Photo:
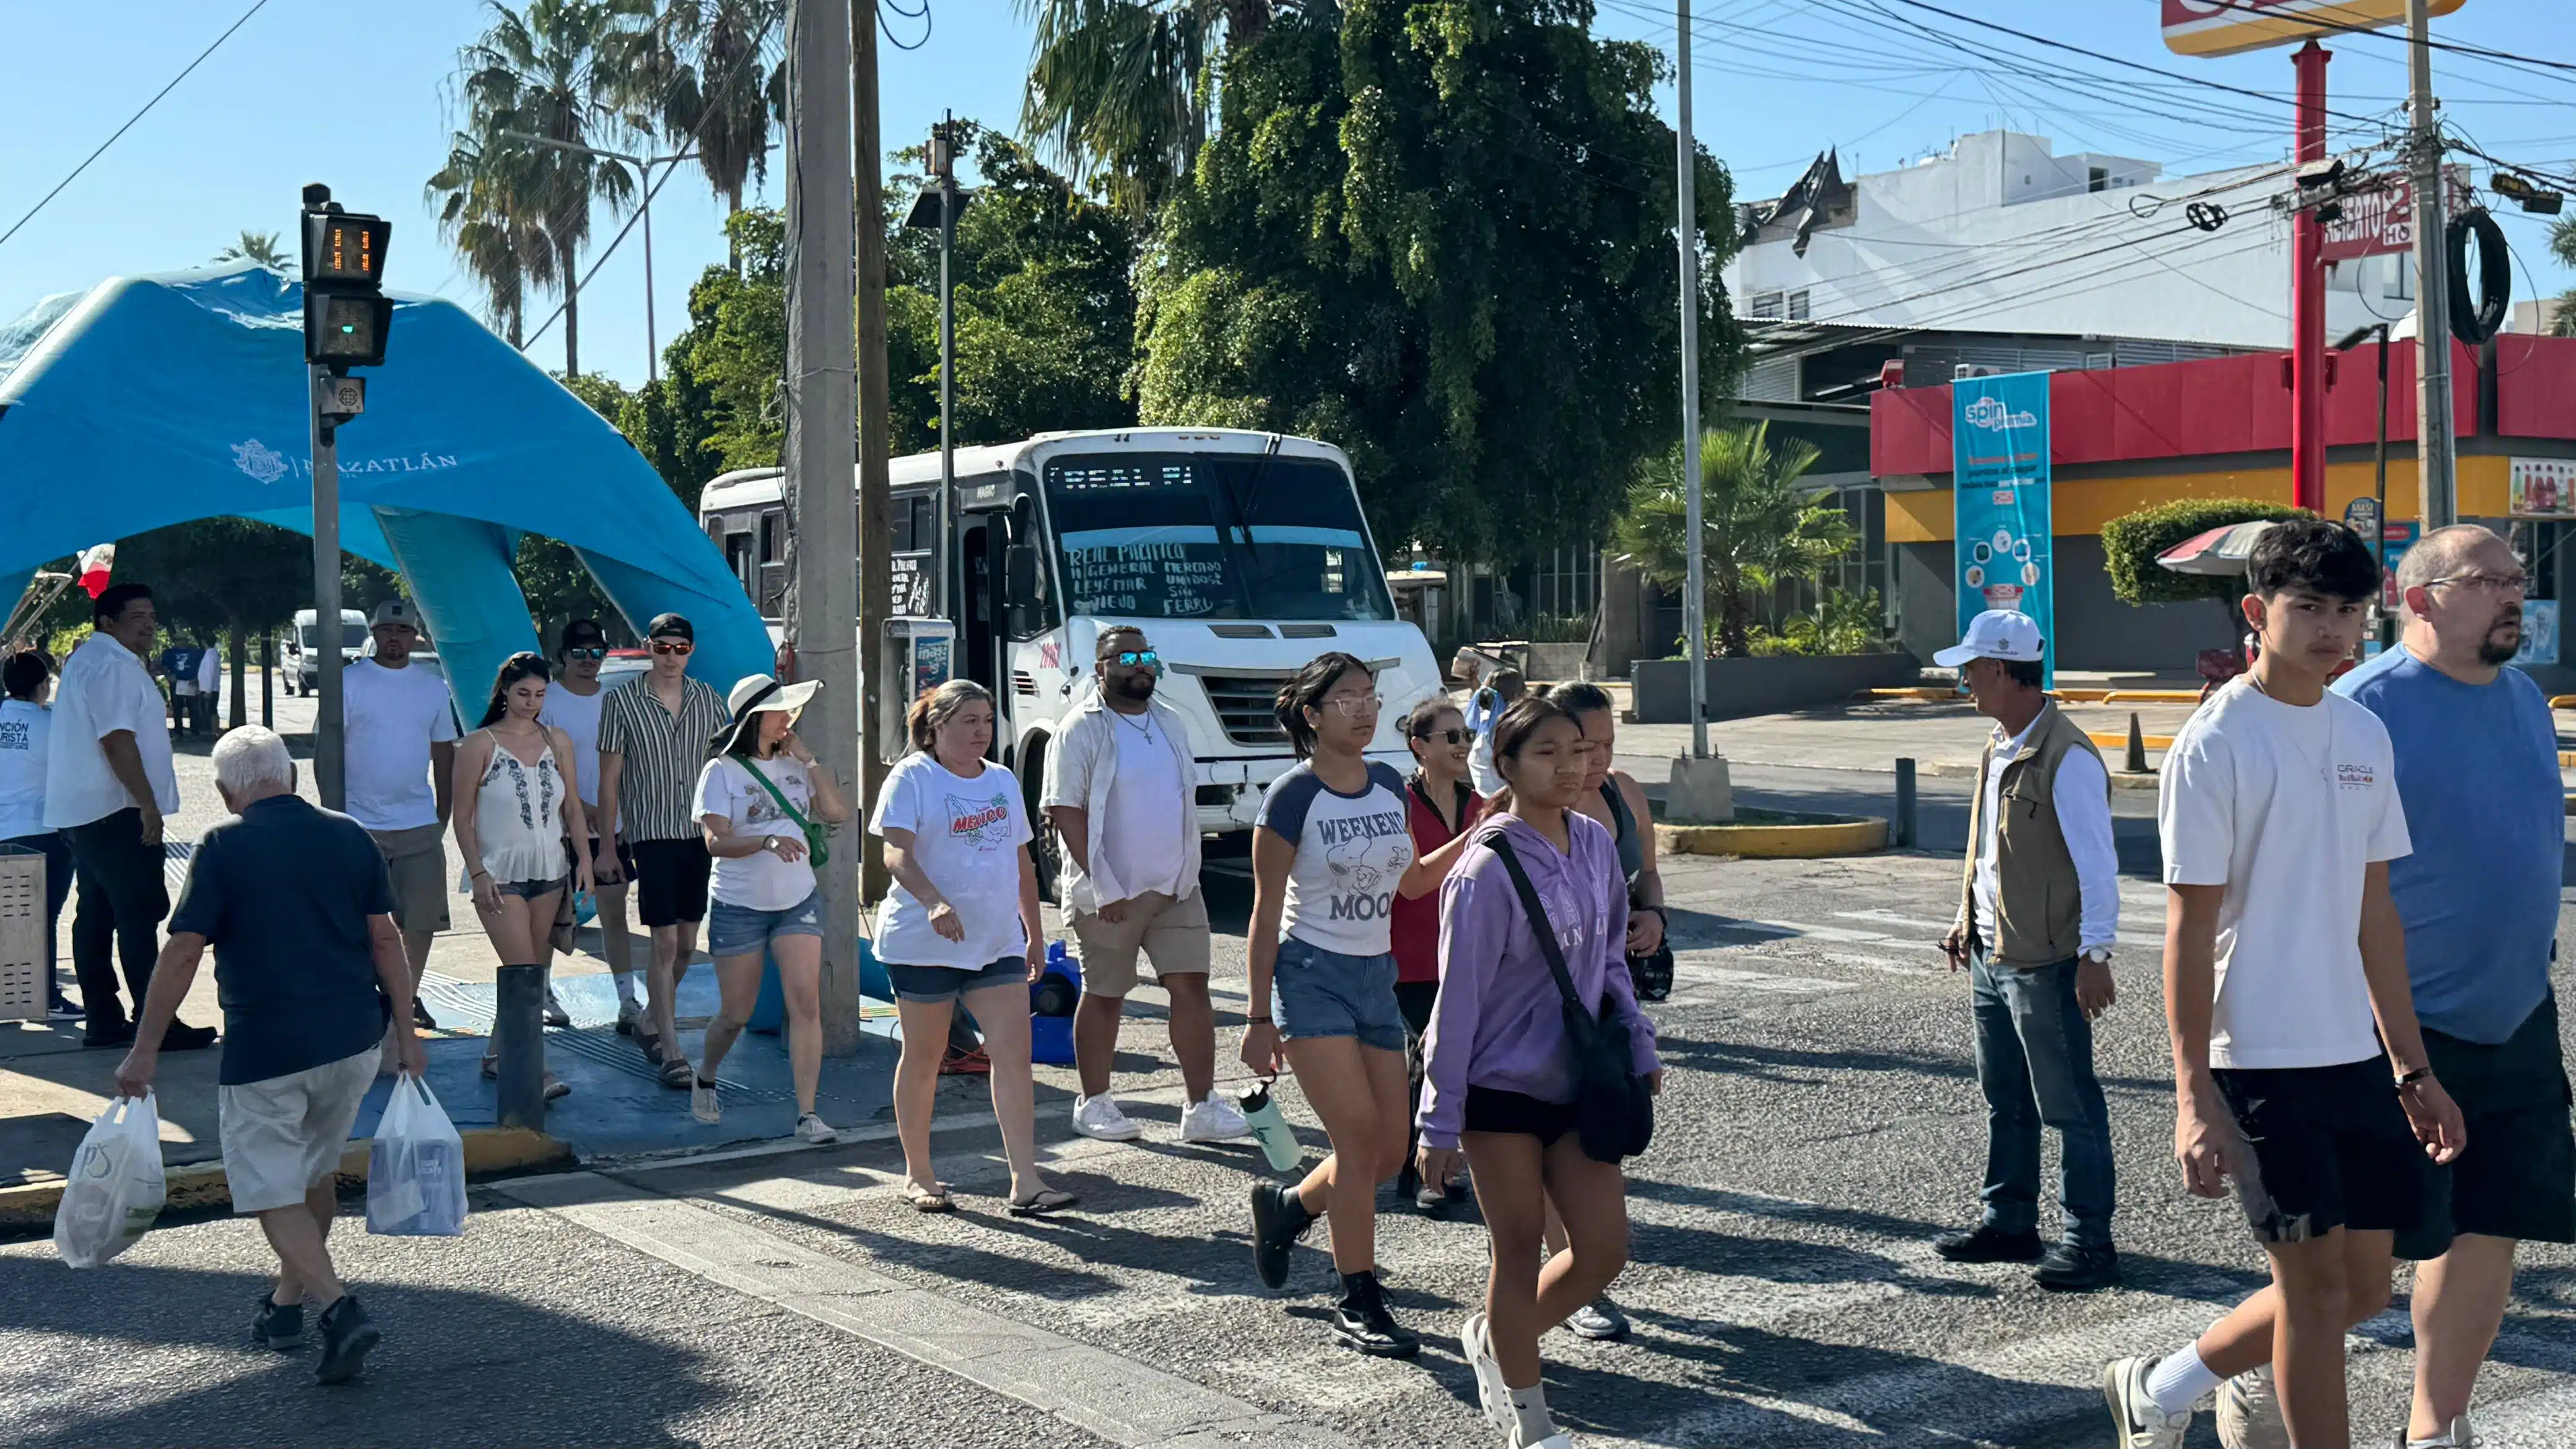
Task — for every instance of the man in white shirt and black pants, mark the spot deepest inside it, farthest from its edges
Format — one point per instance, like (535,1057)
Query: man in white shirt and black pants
(2038,911)
(108,783)
(1121,791)
(399,725)
(2299,1071)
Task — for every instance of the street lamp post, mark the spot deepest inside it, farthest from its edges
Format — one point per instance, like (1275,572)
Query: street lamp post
(937,208)
(643,168)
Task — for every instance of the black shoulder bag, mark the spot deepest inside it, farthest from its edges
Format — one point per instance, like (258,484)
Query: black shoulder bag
(1614,1108)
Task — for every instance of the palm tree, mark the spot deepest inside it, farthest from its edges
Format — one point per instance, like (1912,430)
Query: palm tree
(2562,245)
(557,70)
(1758,526)
(712,74)
(1120,90)
(505,251)
(260,247)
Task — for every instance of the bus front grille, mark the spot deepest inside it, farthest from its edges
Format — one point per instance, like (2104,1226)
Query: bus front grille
(1246,705)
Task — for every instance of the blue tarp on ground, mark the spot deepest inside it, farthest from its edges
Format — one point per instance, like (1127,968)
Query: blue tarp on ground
(155,400)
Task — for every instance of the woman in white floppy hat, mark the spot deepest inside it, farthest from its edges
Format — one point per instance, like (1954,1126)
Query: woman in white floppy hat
(764,803)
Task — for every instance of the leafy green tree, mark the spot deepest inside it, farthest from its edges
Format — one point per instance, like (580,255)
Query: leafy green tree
(221,577)
(480,198)
(2562,245)
(712,77)
(1440,235)
(563,70)
(1758,526)
(2131,542)
(1118,90)
(260,247)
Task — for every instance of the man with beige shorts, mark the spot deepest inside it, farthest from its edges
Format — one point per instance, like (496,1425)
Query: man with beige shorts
(1121,794)
(401,751)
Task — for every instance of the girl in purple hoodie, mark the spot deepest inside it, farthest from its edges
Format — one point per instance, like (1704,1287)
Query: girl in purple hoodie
(1498,1069)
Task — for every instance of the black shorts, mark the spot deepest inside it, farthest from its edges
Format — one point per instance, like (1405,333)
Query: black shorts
(671,881)
(2518,1177)
(2324,1148)
(1491,1109)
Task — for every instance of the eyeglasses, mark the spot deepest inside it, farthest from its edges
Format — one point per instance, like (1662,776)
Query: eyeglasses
(585,654)
(672,646)
(1452,735)
(1138,659)
(2496,583)
(1352,706)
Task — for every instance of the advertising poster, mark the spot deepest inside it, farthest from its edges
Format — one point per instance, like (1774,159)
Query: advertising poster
(1999,458)
(2539,633)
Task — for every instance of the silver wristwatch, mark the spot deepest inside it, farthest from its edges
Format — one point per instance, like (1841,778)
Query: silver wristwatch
(2101,954)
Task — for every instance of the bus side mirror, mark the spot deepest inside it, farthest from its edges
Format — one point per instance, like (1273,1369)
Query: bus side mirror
(1020,572)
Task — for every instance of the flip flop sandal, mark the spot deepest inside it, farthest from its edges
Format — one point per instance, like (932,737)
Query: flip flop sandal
(1047,1201)
(928,1200)
(678,1073)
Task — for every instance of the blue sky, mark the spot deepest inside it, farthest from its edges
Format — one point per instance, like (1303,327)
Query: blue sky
(1775,81)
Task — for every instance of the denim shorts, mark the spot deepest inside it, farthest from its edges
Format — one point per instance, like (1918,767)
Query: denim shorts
(1315,993)
(934,985)
(739,930)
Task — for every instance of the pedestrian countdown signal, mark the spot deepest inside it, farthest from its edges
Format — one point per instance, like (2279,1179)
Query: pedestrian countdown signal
(346,313)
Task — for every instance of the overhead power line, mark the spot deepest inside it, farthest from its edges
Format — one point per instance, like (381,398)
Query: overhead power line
(256,7)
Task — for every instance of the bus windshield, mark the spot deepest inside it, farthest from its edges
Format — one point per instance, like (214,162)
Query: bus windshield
(1213,536)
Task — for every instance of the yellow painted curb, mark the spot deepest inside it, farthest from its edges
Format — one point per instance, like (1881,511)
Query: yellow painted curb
(2109,741)
(1775,842)
(2151,696)
(191,1185)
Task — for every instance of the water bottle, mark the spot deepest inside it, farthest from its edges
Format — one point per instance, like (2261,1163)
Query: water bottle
(1270,1129)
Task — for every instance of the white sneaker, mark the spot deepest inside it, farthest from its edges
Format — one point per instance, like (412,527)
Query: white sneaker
(812,1128)
(1213,1121)
(703,1104)
(2136,1421)
(1099,1117)
(2249,1412)
(2461,1435)
(556,1016)
(1492,1394)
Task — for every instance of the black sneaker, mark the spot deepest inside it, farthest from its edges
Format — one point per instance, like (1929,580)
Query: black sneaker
(99,1036)
(420,1016)
(278,1325)
(1279,1219)
(1986,1243)
(347,1335)
(1361,1321)
(2072,1268)
(182,1037)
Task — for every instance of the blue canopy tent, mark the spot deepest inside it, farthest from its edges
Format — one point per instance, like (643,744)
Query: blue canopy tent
(155,400)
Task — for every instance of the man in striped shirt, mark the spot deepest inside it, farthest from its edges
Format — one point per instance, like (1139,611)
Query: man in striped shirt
(654,735)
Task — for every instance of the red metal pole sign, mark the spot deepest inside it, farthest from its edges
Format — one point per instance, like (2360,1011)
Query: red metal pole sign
(2308,300)
(2227,27)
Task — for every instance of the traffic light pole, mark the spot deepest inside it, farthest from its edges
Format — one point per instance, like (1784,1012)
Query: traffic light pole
(328,755)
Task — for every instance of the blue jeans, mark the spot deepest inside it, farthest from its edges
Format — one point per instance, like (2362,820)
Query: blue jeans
(2035,1062)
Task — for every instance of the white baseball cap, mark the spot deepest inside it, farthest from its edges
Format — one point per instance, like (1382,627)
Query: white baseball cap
(1994,634)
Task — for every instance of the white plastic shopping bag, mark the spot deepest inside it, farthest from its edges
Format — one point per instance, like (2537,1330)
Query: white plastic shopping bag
(416,1167)
(115,1188)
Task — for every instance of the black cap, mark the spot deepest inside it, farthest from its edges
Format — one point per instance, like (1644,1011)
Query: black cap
(582,634)
(670,626)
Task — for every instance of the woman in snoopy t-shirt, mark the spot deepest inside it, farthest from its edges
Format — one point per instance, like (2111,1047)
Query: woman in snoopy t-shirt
(961,924)
(1331,853)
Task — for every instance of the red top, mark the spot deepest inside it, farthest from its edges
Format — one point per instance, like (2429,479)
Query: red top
(1414,932)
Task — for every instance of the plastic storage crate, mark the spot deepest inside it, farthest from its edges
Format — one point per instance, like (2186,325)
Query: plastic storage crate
(22,935)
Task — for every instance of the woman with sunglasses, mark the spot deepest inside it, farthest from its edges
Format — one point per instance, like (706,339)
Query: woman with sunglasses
(1439,807)
(1498,1082)
(1330,854)
(515,806)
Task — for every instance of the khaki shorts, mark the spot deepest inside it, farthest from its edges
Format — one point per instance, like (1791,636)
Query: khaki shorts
(417,861)
(1173,934)
(283,1135)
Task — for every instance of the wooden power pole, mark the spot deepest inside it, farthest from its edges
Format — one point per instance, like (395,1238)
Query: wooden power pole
(820,428)
(876,563)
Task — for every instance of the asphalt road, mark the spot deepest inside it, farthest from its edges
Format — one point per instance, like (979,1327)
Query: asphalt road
(1822,1123)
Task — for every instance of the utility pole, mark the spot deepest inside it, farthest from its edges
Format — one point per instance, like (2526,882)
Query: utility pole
(820,425)
(2436,450)
(875,523)
(1695,587)
(943,174)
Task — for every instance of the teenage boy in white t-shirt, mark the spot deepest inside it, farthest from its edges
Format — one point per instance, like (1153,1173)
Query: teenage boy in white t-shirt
(2279,814)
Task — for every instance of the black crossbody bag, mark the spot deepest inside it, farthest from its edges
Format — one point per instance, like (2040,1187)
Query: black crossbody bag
(1614,1107)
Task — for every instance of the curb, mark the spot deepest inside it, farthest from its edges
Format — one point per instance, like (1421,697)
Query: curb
(489,1151)
(1775,842)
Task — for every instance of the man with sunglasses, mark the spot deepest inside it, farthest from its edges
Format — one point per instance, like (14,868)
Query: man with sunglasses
(1121,793)
(655,733)
(573,706)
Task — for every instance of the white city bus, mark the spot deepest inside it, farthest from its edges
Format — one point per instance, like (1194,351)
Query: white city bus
(1243,555)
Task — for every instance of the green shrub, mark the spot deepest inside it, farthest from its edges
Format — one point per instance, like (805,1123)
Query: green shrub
(2131,542)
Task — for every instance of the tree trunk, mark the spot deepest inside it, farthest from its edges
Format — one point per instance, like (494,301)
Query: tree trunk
(239,642)
(572,324)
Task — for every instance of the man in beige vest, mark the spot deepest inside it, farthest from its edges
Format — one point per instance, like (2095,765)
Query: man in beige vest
(2039,906)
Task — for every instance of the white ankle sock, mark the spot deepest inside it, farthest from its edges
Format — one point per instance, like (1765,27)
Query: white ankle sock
(630,989)
(1529,1410)
(2180,1380)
